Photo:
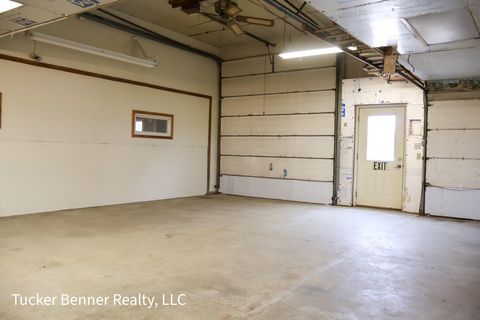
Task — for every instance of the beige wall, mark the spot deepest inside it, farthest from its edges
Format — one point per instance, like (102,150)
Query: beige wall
(65,138)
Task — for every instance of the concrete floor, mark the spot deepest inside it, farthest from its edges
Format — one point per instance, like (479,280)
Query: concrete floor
(240,258)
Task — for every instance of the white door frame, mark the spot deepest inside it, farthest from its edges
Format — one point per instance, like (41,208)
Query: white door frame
(355,147)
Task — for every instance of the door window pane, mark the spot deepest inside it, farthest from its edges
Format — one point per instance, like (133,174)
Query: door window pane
(381,138)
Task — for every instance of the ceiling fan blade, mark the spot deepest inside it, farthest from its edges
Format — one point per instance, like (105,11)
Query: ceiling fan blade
(231,23)
(253,20)
(235,27)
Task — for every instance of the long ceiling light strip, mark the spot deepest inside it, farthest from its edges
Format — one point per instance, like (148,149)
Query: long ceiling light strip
(7,5)
(44,38)
(309,53)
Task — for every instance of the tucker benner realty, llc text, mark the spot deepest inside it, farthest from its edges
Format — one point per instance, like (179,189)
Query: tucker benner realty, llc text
(116,300)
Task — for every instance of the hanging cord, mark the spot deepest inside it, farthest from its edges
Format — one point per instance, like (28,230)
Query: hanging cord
(284,31)
(411,65)
(136,44)
(33,55)
(265,77)
(264,7)
(271,58)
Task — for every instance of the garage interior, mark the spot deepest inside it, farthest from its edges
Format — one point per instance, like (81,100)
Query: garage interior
(247,159)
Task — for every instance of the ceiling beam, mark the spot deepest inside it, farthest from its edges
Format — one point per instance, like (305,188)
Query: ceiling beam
(374,59)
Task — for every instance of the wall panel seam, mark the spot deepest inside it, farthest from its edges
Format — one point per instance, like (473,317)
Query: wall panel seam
(277,178)
(276,93)
(276,114)
(276,72)
(275,157)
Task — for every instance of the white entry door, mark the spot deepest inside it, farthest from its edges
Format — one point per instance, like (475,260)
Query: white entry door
(380,132)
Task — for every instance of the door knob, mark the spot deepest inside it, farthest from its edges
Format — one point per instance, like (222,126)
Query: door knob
(398,166)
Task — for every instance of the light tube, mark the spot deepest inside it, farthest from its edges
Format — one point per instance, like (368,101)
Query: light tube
(40,37)
(309,53)
(7,5)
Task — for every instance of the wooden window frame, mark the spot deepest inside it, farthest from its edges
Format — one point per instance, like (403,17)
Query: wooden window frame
(149,113)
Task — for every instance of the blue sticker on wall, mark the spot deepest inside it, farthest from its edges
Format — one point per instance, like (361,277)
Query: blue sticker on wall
(84,3)
(344,110)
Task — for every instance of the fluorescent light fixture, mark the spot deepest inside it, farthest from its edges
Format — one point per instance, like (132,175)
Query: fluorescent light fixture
(7,5)
(40,37)
(257,21)
(309,53)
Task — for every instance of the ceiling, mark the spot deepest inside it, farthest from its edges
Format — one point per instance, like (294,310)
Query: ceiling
(444,42)
(206,30)
(436,39)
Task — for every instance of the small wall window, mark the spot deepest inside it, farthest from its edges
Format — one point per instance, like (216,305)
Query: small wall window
(152,125)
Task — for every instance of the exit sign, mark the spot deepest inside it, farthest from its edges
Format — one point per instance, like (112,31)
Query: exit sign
(380,166)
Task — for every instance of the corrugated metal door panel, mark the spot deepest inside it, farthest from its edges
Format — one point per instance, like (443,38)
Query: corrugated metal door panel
(454,144)
(454,114)
(318,147)
(321,124)
(323,101)
(453,203)
(302,169)
(453,173)
(320,79)
(305,80)
(257,65)
(307,191)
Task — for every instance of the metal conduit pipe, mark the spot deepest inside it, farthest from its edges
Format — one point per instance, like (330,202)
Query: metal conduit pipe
(425,155)
(151,35)
(219,127)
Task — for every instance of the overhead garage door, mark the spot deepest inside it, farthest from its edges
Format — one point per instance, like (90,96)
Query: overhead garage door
(278,130)
(453,165)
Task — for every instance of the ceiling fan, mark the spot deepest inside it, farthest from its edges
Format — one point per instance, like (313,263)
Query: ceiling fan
(227,12)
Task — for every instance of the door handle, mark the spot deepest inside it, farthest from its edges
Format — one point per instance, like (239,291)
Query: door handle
(398,166)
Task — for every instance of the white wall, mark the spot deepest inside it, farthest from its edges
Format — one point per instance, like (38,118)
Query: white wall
(363,91)
(277,128)
(453,153)
(65,138)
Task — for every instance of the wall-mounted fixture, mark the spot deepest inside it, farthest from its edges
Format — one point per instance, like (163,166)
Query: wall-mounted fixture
(40,37)
(7,5)
(309,53)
